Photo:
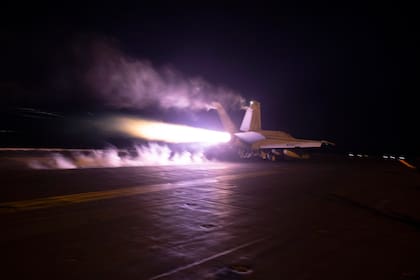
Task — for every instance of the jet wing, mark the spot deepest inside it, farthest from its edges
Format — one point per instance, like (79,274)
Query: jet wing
(295,143)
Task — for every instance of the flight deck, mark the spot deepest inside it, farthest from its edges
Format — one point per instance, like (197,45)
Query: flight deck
(329,217)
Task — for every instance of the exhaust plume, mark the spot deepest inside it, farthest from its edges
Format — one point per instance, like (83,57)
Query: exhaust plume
(165,132)
(125,82)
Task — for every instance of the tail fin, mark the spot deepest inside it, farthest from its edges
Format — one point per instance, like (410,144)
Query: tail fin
(252,117)
(224,118)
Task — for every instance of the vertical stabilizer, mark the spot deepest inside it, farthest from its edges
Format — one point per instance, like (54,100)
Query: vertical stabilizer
(252,117)
(224,118)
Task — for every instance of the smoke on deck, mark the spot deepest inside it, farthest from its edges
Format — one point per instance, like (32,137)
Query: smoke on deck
(152,154)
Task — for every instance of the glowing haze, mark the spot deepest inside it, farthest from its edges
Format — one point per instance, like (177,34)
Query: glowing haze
(121,81)
(166,132)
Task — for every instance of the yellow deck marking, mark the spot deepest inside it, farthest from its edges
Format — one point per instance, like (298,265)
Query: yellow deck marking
(61,200)
(407,164)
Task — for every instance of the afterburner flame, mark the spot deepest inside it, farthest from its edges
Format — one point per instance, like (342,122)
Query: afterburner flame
(170,133)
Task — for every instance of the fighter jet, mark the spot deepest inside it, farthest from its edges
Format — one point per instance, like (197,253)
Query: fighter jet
(252,140)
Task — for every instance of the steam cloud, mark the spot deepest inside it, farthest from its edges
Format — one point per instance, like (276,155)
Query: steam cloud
(124,82)
(146,155)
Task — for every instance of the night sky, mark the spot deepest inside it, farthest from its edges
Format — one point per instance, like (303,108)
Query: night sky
(344,74)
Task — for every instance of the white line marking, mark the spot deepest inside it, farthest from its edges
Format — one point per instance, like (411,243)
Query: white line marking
(176,270)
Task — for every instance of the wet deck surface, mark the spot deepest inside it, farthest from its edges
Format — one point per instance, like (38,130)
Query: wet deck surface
(317,219)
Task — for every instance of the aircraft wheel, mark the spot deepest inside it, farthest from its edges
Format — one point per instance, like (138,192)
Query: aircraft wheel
(263,155)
